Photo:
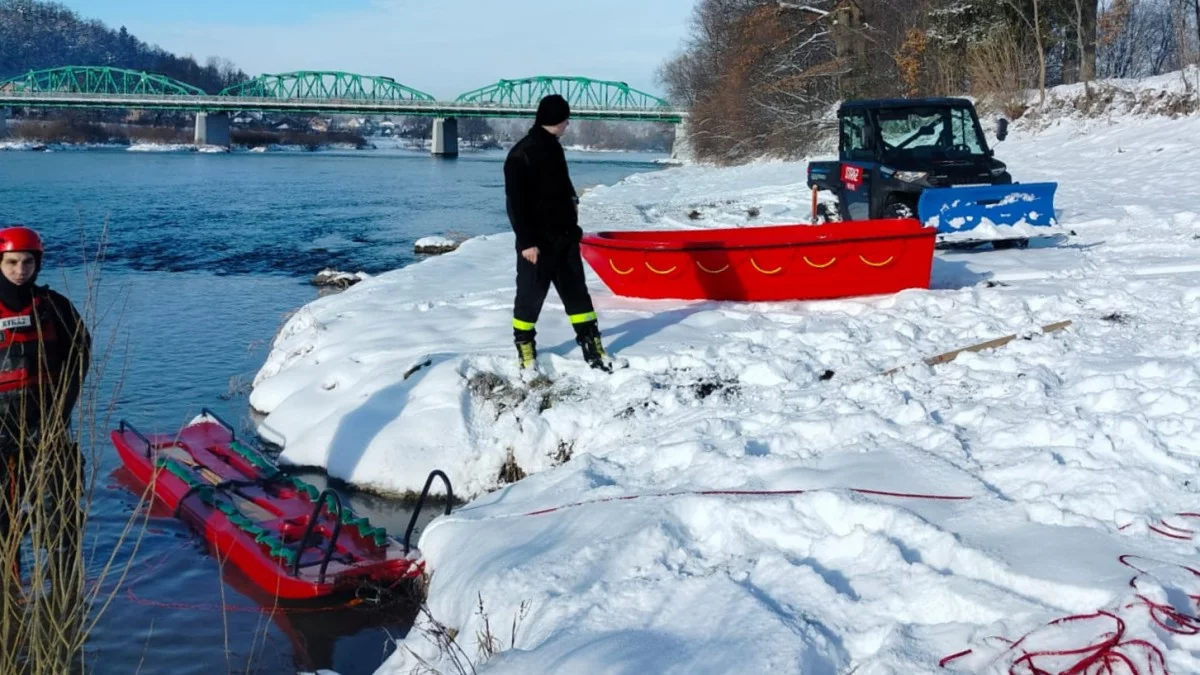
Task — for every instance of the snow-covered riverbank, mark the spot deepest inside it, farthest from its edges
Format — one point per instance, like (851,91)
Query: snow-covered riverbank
(750,495)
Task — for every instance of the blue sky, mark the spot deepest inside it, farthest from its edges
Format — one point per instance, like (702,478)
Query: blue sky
(438,46)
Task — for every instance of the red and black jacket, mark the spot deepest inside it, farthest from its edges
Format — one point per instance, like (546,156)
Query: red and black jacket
(44,353)
(25,337)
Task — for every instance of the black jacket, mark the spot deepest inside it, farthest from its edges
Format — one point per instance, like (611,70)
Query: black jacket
(540,197)
(72,358)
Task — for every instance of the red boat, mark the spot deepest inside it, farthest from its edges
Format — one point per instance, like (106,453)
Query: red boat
(780,262)
(293,541)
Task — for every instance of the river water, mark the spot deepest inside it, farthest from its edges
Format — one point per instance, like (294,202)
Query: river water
(187,264)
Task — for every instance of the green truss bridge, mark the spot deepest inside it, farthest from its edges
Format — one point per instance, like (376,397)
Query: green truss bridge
(327,92)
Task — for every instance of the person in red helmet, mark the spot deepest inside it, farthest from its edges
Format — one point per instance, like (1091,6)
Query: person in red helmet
(45,352)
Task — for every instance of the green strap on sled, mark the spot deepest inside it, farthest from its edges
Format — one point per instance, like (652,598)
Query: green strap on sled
(275,546)
(361,524)
(207,492)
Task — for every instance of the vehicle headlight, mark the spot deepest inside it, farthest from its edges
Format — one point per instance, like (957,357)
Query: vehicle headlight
(911,176)
(999,170)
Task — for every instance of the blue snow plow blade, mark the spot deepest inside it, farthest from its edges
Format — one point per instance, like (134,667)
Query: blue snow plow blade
(958,209)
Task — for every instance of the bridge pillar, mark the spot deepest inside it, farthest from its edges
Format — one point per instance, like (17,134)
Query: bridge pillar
(445,137)
(212,129)
(681,147)
(4,113)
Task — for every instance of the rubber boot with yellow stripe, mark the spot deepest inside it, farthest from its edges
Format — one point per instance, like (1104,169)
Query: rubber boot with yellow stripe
(527,354)
(523,336)
(587,336)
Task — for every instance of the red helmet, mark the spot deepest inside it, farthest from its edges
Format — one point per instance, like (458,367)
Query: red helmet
(20,238)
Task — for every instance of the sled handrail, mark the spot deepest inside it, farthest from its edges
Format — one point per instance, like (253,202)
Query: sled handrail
(412,522)
(312,521)
(215,416)
(127,426)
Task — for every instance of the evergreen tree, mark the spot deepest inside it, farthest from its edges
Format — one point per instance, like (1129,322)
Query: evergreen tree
(36,35)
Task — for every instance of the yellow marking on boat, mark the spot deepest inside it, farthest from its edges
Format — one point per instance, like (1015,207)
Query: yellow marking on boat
(619,271)
(651,268)
(821,265)
(879,264)
(777,270)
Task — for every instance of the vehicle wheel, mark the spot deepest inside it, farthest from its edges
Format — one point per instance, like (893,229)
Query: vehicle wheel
(1005,244)
(898,210)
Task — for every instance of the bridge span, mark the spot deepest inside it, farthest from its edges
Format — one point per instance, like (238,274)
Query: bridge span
(327,92)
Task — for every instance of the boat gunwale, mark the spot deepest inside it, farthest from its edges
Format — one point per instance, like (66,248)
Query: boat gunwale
(616,239)
(601,242)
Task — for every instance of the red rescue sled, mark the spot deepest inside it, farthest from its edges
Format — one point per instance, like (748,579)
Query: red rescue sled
(293,541)
(780,262)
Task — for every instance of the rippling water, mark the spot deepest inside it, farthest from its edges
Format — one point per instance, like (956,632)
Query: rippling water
(287,213)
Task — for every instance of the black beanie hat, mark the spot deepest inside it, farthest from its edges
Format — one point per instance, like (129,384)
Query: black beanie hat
(552,110)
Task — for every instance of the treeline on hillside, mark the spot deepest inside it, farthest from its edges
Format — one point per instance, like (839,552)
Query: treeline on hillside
(758,74)
(36,35)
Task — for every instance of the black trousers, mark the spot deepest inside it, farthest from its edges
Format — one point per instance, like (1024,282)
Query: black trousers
(561,266)
(57,480)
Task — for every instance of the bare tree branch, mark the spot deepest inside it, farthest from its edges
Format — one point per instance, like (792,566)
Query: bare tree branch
(804,8)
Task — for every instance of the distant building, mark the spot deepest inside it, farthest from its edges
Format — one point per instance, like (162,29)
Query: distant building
(247,118)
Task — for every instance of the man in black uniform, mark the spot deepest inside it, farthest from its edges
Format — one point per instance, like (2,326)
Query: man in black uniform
(544,212)
(45,351)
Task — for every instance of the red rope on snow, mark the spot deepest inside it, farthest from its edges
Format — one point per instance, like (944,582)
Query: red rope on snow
(1166,616)
(909,495)
(1110,655)
(1178,533)
(744,493)
(1105,656)
(956,655)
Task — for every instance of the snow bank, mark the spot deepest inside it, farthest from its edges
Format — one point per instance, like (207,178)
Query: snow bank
(39,146)
(332,277)
(435,245)
(284,147)
(750,494)
(161,147)
(1101,103)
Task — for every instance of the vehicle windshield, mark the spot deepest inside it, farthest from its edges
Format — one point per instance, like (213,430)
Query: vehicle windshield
(940,132)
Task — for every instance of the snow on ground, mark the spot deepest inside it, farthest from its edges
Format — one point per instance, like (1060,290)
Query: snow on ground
(161,147)
(923,514)
(332,277)
(39,146)
(435,244)
(14,145)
